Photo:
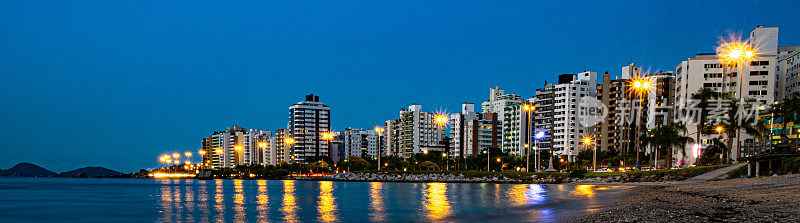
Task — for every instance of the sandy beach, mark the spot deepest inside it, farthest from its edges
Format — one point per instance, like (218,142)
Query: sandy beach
(764,199)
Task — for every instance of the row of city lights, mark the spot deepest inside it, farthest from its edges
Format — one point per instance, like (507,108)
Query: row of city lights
(733,52)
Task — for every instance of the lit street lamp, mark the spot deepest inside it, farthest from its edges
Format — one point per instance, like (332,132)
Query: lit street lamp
(587,141)
(379,130)
(735,53)
(289,141)
(528,108)
(441,121)
(327,136)
(641,87)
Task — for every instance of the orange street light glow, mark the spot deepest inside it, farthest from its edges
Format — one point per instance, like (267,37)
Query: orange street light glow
(734,52)
(288,140)
(719,129)
(218,150)
(188,154)
(441,119)
(262,145)
(587,140)
(327,136)
(379,129)
(238,148)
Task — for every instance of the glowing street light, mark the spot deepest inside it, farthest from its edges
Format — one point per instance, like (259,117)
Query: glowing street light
(188,154)
(640,87)
(735,53)
(289,141)
(238,148)
(587,141)
(380,131)
(202,152)
(262,145)
(528,108)
(176,155)
(719,129)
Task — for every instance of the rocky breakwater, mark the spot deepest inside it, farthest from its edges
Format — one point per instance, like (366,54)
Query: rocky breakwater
(435,177)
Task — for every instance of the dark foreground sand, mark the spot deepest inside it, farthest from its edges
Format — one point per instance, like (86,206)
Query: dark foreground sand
(765,199)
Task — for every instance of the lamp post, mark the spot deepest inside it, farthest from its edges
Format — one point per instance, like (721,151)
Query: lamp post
(528,108)
(328,136)
(441,121)
(735,53)
(539,136)
(641,87)
(262,145)
(446,164)
(379,130)
(488,159)
(289,141)
(587,141)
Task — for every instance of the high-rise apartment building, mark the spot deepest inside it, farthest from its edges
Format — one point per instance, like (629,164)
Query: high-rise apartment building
(307,121)
(543,115)
(256,147)
(226,149)
(282,151)
(414,132)
(472,132)
(567,131)
(361,143)
(756,81)
(515,127)
(788,71)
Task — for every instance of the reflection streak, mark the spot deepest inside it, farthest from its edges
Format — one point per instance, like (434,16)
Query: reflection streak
(263,201)
(289,208)
(238,201)
(326,205)
(436,201)
(219,200)
(378,211)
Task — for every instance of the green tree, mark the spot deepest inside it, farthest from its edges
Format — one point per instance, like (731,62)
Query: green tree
(319,166)
(734,123)
(428,165)
(355,163)
(666,138)
(703,95)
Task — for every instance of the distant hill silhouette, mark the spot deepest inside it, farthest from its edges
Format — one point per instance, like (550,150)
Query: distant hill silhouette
(27,170)
(90,172)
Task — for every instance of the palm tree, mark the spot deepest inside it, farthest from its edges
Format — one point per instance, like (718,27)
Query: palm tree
(733,124)
(704,95)
(668,137)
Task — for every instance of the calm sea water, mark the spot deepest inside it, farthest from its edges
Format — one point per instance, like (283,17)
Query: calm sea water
(186,200)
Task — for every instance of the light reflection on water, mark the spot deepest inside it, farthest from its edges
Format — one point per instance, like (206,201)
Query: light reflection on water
(263,201)
(325,201)
(289,207)
(377,209)
(436,201)
(238,202)
(326,205)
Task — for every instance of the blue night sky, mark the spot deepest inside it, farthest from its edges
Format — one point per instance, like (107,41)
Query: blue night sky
(117,83)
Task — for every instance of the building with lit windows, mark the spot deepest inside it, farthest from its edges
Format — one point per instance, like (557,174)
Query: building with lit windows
(756,81)
(308,120)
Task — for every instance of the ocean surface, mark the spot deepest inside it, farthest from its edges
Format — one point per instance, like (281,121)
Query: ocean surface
(187,200)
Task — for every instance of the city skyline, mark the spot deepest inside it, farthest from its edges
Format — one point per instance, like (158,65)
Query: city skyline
(111,108)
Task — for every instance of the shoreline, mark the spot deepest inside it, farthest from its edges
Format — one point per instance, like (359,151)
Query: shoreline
(762,199)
